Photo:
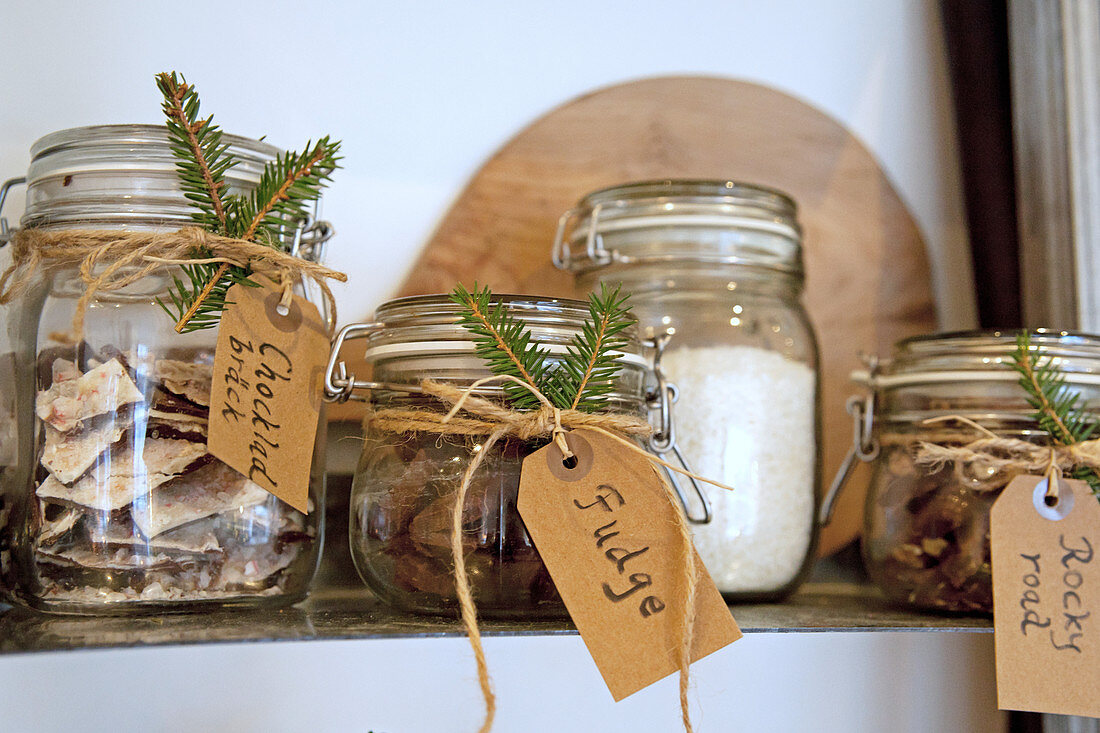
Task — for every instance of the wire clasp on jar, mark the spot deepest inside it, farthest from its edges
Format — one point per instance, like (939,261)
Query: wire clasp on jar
(339,385)
(864,446)
(660,400)
(6,232)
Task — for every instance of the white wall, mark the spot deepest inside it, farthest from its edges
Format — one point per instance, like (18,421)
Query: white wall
(422,93)
(778,683)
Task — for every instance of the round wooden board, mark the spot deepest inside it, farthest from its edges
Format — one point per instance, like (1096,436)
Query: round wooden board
(867,272)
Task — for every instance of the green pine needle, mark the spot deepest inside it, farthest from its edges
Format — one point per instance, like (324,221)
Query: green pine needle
(504,343)
(183,294)
(590,369)
(580,380)
(1058,409)
(201,159)
(287,186)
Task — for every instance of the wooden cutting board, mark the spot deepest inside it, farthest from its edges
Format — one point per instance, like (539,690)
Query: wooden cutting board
(867,272)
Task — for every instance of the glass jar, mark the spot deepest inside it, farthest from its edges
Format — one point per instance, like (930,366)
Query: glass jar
(114,504)
(404,487)
(715,267)
(926,528)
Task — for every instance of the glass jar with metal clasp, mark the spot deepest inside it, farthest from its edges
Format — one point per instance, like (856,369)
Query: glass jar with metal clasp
(926,526)
(406,481)
(715,270)
(109,499)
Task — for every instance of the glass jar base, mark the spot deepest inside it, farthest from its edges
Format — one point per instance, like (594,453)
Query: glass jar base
(141,607)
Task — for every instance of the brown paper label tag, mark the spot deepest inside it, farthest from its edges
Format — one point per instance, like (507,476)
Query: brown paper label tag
(266,395)
(608,535)
(1046,598)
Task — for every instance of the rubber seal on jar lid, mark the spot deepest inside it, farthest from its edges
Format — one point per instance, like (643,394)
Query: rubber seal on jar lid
(892,381)
(435,348)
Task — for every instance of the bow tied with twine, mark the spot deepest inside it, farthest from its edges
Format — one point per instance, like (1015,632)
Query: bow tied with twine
(112,260)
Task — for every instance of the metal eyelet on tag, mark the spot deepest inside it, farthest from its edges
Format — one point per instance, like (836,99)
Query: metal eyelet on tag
(1062,503)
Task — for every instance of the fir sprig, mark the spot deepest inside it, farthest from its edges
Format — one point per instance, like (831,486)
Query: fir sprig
(589,370)
(185,295)
(580,379)
(201,159)
(504,343)
(1058,409)
(287,185)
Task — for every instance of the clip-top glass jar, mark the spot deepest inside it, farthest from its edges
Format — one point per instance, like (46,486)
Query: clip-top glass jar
(114,503)
(406,482)
(926,529)
(715,267)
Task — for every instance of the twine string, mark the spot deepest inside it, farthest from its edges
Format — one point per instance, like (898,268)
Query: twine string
(557,431)
(112,260)
(496,422)
(1007,456)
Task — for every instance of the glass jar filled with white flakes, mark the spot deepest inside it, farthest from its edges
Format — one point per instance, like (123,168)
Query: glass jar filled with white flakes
(715,272)
(112,502)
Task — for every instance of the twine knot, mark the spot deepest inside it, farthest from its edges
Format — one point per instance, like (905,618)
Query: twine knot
(1005,458)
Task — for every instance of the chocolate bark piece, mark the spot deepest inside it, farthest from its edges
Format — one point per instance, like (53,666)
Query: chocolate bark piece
(63,370)
(52,531)
(206,491)
(67,456)
(125,475)
(176,427)
(263,522)
(186,379)
(249,565)
(111,559)
(166,403)
(71,399)
(196,537)
(74,353)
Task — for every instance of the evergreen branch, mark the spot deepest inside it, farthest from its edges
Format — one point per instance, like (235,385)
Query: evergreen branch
(1058,409)
(583,377)
(202,298)
(590,368)
(286,185)
(196,143)
(199,277)
(505,344)
(1045,387)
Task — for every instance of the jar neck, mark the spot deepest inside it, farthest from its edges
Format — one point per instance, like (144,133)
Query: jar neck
(706,279)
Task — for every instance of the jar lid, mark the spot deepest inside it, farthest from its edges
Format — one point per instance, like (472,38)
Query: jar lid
(115,175)
(980,356)
(420,337)
(710,221)
(429,325)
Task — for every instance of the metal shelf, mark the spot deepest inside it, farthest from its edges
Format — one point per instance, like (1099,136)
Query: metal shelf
(353,613)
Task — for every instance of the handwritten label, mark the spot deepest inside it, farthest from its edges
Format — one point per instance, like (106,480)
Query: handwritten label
(1046,597)
(608,535)
(266,395)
